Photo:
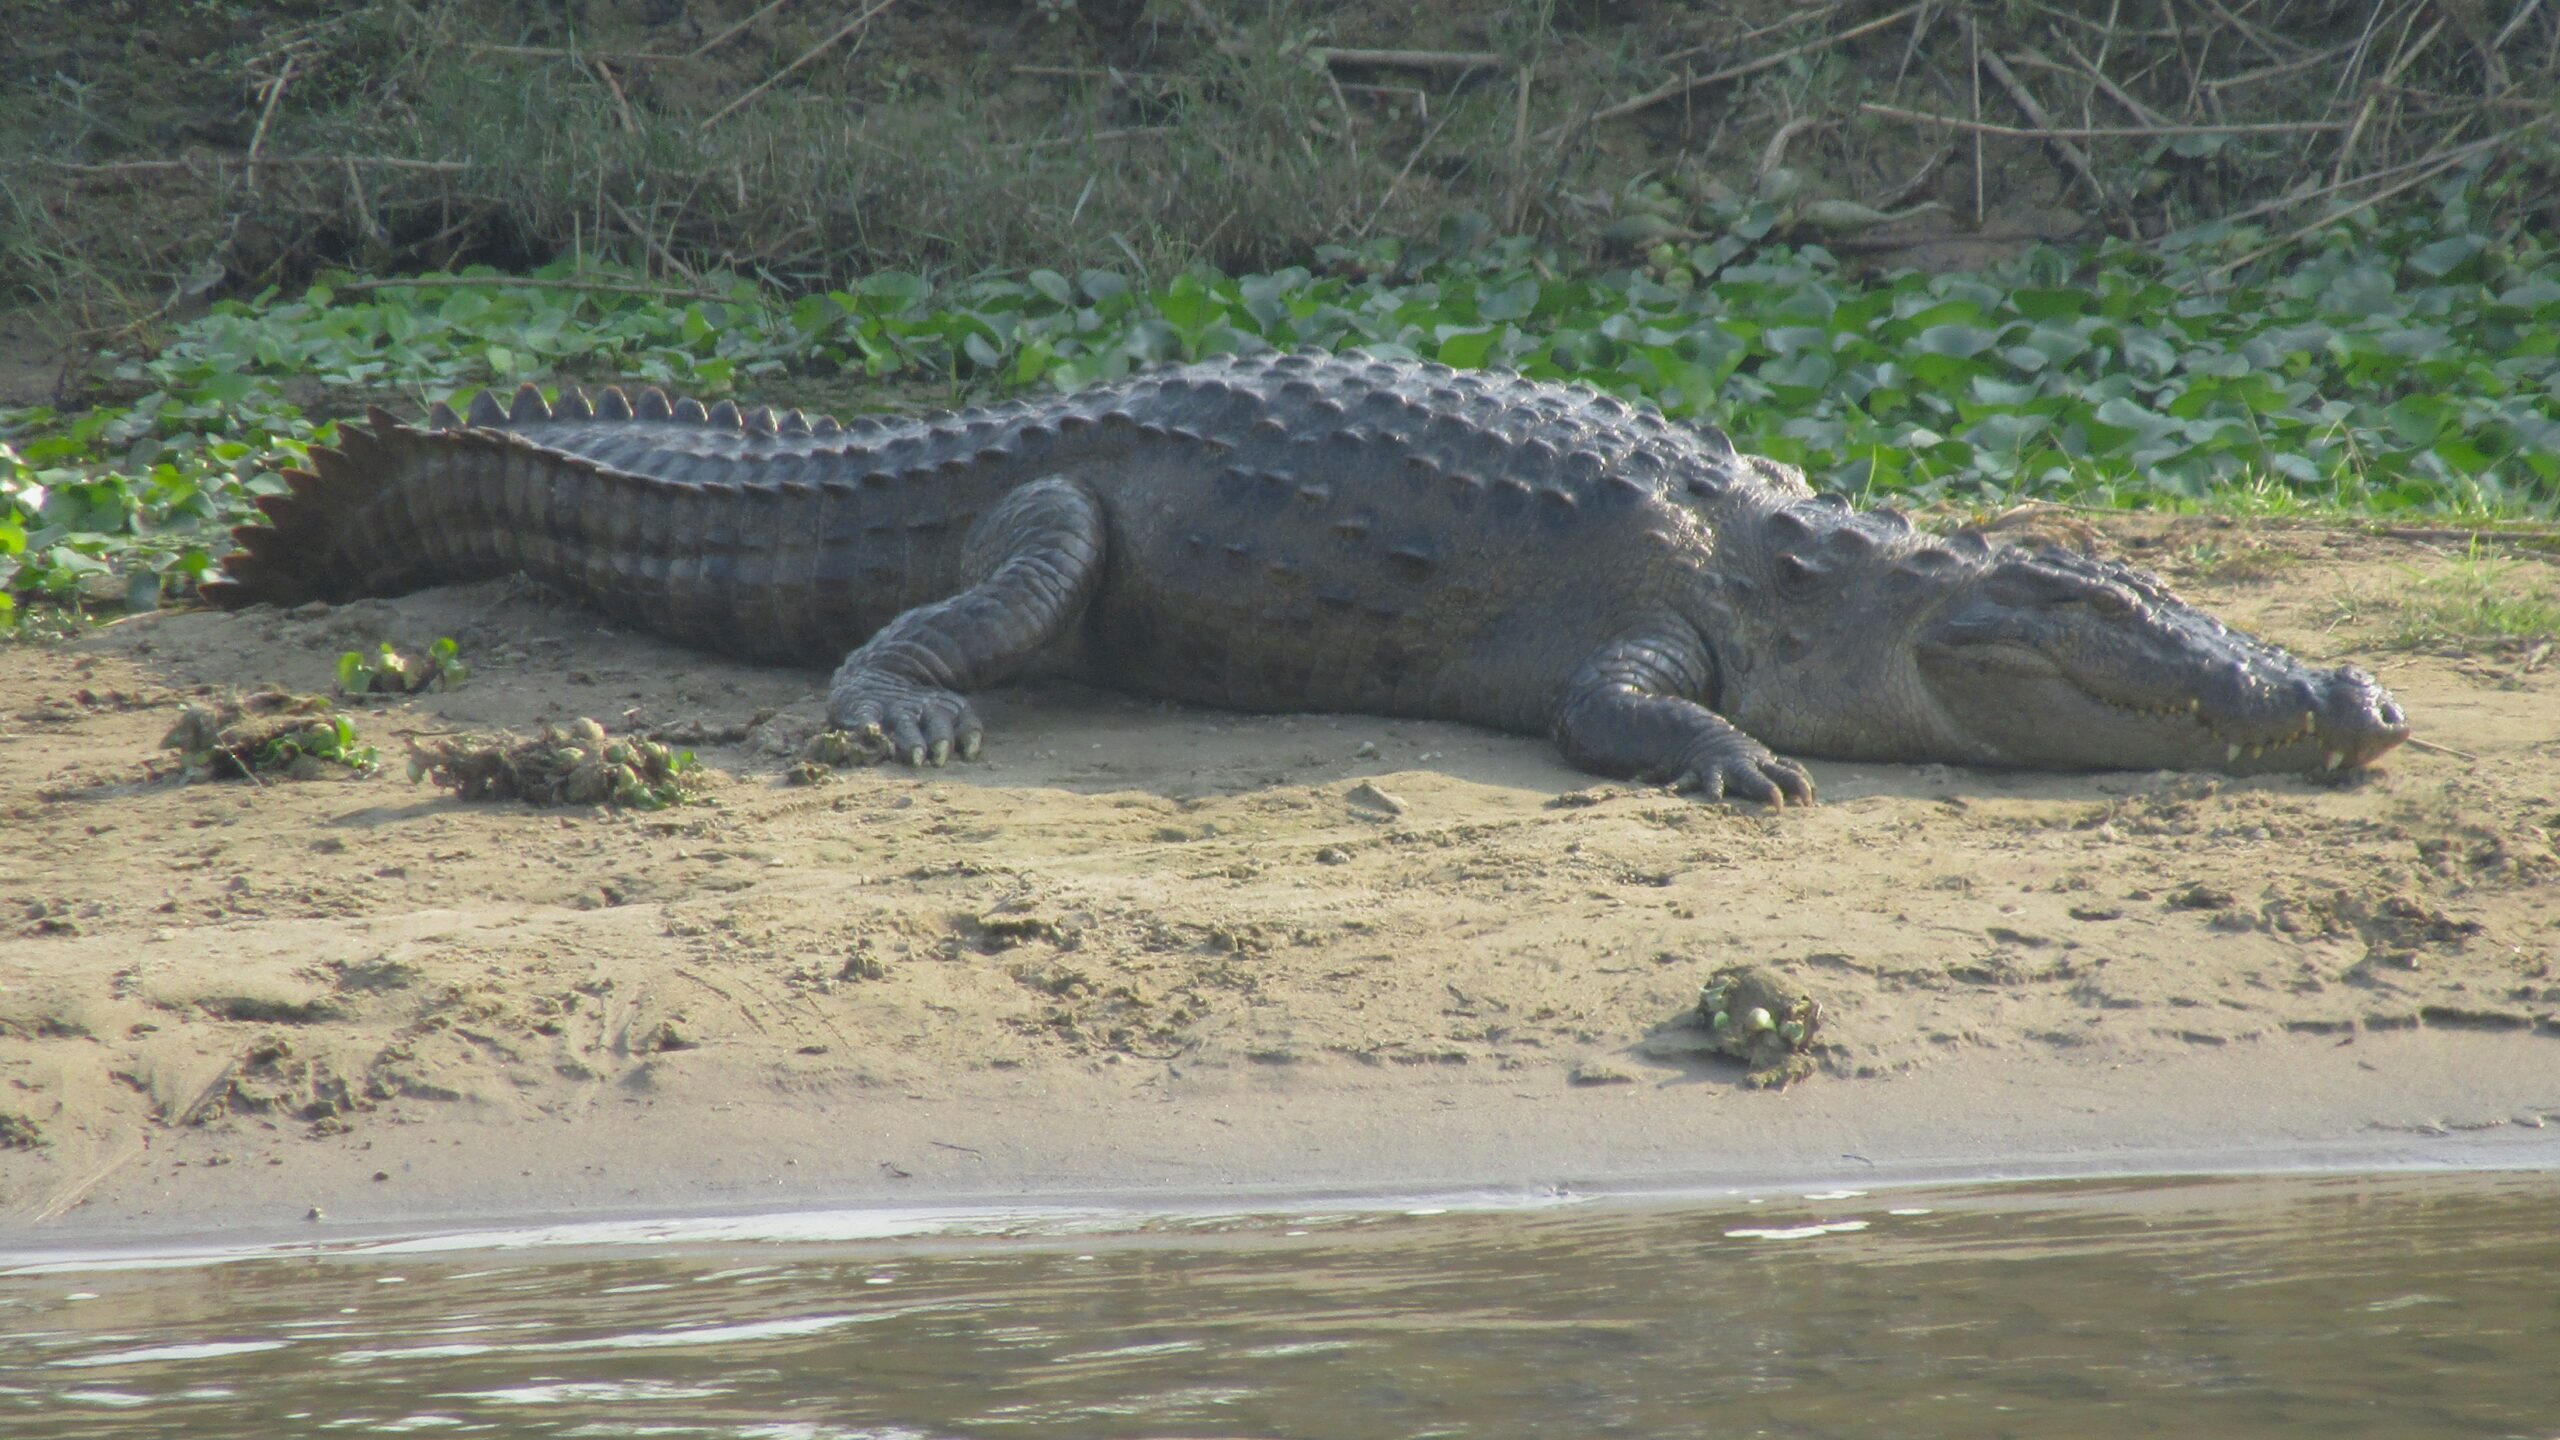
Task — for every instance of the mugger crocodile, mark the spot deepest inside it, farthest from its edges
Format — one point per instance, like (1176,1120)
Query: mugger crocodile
(1308,532)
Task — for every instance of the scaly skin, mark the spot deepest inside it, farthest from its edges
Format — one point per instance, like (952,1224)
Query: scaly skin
(1300,532)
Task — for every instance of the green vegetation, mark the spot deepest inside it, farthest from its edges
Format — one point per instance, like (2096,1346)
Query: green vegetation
(157,152)
(573,764)
(294,737)
(389,672)
(2479,599)
(2404,366)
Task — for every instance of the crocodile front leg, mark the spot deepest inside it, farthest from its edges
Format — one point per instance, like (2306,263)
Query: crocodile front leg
(1032,563)
(1627,712)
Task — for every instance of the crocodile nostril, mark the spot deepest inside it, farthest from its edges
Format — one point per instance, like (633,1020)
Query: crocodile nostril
(2391,713)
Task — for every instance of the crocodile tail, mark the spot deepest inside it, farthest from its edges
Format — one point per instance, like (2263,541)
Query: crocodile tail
(393,508)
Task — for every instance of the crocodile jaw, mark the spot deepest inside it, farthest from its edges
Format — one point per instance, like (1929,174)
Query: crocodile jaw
(2022,708)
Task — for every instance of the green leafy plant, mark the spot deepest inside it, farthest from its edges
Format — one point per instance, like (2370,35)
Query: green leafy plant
(388,672)
(2412,366)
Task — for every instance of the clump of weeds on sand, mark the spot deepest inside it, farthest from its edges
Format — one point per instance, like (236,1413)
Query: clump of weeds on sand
(296,737)
(573,764)
(1754,1016)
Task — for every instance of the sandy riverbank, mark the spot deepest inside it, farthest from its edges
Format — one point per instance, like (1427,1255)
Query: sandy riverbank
(1142,948)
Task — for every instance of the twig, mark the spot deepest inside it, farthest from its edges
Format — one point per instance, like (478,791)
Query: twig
(556,52)
(2026,102)
(1519,145)
(621,103)
(1673,89)
(725,36)
(1398,183)
(2449,160)
(2088,70)
(1420,97)
(1973,75)
(2524,12)
(267,112)
(1774,154)
(381,162)
(2432,748)
(2268,45)
(649,238)
(374,234)
(521,282)
(2287,202)
(2104,132)
(1894,198)
(1409,59)
(1090,137)
(812,53)
(2270,72)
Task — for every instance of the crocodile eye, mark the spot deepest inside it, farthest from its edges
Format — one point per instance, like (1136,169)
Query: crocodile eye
(2109,601)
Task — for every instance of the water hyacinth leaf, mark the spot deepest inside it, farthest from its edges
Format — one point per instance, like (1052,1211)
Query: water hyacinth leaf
(2448,255)
(1956,341)
(1516,300)
(1466,348)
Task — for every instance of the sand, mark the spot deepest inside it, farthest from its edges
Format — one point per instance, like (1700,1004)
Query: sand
(1146,950)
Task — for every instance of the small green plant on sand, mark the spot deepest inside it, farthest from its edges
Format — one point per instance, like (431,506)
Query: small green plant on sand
(389,672)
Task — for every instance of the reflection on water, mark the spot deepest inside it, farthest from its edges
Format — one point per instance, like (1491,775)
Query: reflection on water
(2333,1306)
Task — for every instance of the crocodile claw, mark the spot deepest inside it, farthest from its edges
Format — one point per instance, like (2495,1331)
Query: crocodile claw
(1770,780)
(889,716)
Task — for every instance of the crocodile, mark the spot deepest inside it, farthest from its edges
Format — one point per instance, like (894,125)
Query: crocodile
(1316,533)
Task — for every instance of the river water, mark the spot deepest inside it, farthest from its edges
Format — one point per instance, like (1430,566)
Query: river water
(2400,1306)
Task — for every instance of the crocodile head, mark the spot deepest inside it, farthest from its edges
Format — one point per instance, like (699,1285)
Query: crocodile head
(2046,659)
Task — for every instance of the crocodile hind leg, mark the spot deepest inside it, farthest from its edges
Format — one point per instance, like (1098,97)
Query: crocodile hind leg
(1032,563)
(1628,712)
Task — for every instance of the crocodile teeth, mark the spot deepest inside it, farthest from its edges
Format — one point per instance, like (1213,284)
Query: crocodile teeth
(2254,751)
(2194,705)
(2231,753)
(2333,760)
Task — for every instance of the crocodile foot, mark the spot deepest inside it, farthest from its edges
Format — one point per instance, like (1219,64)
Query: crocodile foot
(884,716)
(1733,766)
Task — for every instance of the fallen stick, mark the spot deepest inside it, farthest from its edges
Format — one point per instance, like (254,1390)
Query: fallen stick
(725,36)
(556,52)
(812,53)
(1673,89)
(2287,202)
(1410,59)
(621,105)
(2026,102)
(370,162)
(2102,132)
(520,282)
(267,113)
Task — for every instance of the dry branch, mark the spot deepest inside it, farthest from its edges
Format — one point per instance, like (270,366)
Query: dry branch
(1674,89)
(520,282)
(1410,59)
(2026,102)
(267,112)
(725,36)
(367,162)
(2426,170)
(813,52)
(556,52)
(2102,132)
(621,103)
